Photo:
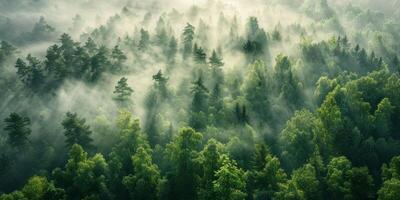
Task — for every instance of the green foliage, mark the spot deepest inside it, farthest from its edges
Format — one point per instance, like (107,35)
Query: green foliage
(84,177)
(144,183)
(76,131)
(269,179)
(187,38)
(199,55)
(346,182)
(123,92)
(320,121)
(31,74)
(18,130)
(383,117)
(210,161)
(305,179)
(184,153)
(118,58)
(256,87)
(199,106)
(390,190)
(37,188)
(287,85)
(256,41)
(230,181)
(156,99)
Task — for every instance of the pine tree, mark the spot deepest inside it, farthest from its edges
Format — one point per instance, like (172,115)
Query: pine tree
(216,64)
(99,63)
(187,37)
(90,46)
(160,83)
(118,58)
(18,129)
(31,74)
(76,131)
(215,61)
(122,90)
(199,55)
(200,96)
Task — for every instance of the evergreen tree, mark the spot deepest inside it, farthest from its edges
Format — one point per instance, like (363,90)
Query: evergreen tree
(215,61)
(256,87)
(199,106)
(76,131)
(18,130)
(122,91)
(118,58)
(160,84)
(99,64)
(187,38)
(287,85)
(55,63)
(31,74)
(90,46)
(199,55)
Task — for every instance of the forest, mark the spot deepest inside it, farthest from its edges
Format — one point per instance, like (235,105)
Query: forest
(199,100)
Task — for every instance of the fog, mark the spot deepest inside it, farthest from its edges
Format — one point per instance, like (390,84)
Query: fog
(33,26)
(124,18)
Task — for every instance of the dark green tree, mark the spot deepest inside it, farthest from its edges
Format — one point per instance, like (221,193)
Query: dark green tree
(31,74)
(215,61)
(18,130)
(210,161)
(76,131)
(117,59)
(187,38)
(256,87)
(160,84)
(199,55)
(123,92)
(184,153)
(286,83)
(199,106)
(83,177)
(99,63)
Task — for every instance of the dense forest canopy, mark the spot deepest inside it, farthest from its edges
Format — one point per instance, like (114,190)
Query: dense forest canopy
(202,99)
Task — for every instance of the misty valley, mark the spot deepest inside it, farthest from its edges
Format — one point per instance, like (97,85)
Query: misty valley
(199,100)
